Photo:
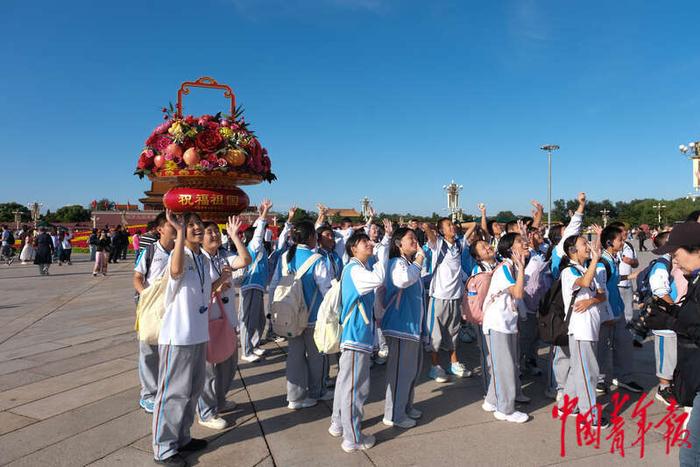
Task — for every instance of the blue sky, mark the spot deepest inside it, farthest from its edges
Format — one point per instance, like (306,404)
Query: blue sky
(385,98)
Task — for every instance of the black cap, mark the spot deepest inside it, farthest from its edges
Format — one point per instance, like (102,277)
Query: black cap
(685,234)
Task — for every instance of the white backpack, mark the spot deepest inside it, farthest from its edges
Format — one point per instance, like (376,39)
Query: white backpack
(328,327)
(290,315)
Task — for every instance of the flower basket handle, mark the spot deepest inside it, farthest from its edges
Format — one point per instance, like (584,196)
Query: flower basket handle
(205,82)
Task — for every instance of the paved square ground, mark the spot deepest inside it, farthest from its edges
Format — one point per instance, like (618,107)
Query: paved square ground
(69,396)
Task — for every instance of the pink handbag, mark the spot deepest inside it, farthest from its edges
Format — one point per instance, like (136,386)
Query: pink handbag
(222,338)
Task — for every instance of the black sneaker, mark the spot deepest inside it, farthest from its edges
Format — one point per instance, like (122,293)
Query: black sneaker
(195,445)
(665,395)
(175,460)
(602,421)
(631,386)
(601,388)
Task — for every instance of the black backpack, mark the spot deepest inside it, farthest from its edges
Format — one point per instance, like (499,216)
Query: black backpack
(644,293)
(10,238)
(552,319)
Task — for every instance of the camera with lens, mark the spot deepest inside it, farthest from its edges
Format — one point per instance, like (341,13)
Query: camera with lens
(638,326)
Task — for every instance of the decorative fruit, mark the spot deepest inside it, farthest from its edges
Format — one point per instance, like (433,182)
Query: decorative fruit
(159,161)
(174,150)
(191,157)
(235,157)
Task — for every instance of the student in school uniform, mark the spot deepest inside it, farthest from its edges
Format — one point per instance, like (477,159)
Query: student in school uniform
(326,248)
(403,324)
(585,287)
(252,307)
(152,264)
(305,365)
(663,287)
(182,343)
(615,341)
(559,365)
(444,307)
(341,234)
(219,376)
(359,283)
(627,259)
(500,326)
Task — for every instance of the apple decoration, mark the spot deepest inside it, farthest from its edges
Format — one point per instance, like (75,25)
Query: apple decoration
(159,161)
(174,150)
(191,157)
(235,157)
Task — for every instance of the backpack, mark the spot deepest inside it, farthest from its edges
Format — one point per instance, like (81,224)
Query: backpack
(10,238)
(288,310)
(644,293)
(475,291)
(552,319)
(150,310)
(537,284)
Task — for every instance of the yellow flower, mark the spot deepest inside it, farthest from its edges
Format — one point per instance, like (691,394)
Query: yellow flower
(226,132)
(170,165)
(176,130)
(191,133)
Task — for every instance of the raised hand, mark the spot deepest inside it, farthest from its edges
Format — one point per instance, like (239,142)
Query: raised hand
(522,229)
(265,206)
(581,198)
(482,208)
(518,260)
(290,214)
(177,222)
(388,227)
(234,224)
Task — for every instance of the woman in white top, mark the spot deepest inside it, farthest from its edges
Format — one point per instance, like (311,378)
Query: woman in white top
(219,376)
(182,343)
(583,290)
(500,326)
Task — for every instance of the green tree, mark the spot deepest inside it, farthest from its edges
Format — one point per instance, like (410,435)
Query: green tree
(505,216)
(7,210)
(72,213)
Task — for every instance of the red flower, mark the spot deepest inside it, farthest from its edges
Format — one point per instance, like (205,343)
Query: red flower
(212,125)
(208,140)
(161,143)
(190,120)
(144,162)
(211,157)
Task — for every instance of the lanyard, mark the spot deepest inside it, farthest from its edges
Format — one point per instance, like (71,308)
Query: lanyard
(200,270)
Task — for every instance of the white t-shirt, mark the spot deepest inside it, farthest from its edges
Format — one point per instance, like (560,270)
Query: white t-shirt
(584,326)
(222,258)
(500,309)
(268,235)
(159,262)
(626,269)
(186,319)
(660,283)
(448,277)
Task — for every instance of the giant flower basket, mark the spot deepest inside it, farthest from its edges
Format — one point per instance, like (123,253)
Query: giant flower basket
(205,158)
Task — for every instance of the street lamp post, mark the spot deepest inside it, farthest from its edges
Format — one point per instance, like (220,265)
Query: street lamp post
(658,206)
(549,148)
(605,213)
(692,150)
(366,205)
(452,191)
(35,209)
(18,218)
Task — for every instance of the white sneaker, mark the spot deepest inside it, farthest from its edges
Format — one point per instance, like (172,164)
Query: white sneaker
(488,407)
(366,443)
(327,396)
(459,370)
(515,417)
(259,352)
(335,431)
(305,404)
(383,352)
(215,423)
(438,374)
(250,358)
(405,423)
(415,413)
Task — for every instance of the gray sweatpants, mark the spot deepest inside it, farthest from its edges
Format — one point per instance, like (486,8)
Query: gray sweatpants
(306,376)
(148,370)
(402,372)
(615,340)
(351,392)
(444,323)
(627,295)
(180,382)
(503,369)
(666,356)
(583,376)
(217,383)
(252,319)
(559,367)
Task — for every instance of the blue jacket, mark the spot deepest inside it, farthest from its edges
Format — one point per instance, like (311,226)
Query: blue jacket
(403,317)
(334,263)
(357,333)
(617,306)
(312,295)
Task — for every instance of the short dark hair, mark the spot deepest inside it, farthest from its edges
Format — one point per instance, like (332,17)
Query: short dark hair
(511,225)
(506,243)
(399,234)
(441,221)
(608,235)
(160,220)
(619,225)
(661,238)
(345,220)
(354,239)
(211,224)
(693,216)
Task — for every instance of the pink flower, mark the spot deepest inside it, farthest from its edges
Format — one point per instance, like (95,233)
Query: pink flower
(147,153)
(205,164)
(168,157)
(161,143)
(162,128)
(212,126)
(225,122)
(222,162)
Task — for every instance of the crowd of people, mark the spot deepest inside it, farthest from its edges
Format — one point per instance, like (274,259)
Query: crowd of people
(404,291)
